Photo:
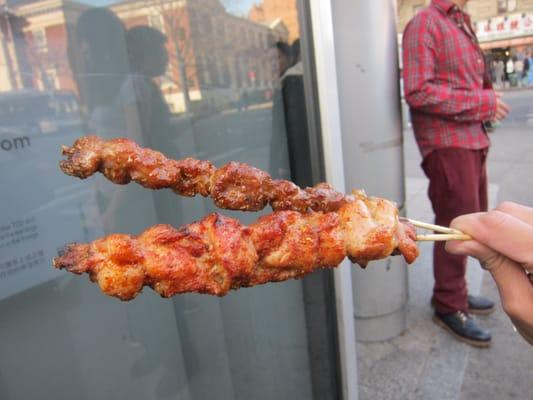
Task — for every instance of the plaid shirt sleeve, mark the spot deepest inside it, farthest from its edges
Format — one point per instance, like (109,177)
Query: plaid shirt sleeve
(422,90)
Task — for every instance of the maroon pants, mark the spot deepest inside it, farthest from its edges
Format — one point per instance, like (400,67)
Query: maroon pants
(457,185)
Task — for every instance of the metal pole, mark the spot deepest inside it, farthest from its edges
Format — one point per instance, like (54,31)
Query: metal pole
(369,100)
(324,50)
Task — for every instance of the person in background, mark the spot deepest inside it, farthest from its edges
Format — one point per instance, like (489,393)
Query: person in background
(519,71)
(284,57)
(523,78)
(294,142)
(145,109)
(493,64)
(299,147)
(279,163)
(141,100)
(447,86)
(243,100)
(528,68)
(509,71)
(98,59)
(500,73)
(503,244)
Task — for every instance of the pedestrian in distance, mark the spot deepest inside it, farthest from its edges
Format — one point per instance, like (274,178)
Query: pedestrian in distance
(500,74)
(510,72)
(528,67)
(519,71)
(448,88)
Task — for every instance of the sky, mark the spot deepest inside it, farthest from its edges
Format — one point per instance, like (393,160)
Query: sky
(238,7)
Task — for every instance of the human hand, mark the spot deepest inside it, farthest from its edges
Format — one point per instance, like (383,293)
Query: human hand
(506,231)
(503,243)
(502,109)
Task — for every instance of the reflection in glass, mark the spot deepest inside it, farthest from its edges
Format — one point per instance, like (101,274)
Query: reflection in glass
(205,79)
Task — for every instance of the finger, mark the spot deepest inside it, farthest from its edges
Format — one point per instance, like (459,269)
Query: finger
(499,94)
(501,232)
(501,113)
(518,211)
(505,107)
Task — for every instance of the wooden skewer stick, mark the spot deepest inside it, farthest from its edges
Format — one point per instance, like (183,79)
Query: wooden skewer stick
(446,233)
(436,228)
(442,237)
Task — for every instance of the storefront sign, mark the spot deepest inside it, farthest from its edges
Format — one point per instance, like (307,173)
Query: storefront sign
(505,27)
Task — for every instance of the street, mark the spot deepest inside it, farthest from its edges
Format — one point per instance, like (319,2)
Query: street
(244,136)
(521,103)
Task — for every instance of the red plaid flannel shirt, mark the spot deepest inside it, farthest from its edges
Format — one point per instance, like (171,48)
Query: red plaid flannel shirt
(446,83)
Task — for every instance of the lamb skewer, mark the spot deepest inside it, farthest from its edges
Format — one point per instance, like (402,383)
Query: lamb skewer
(217,254)
(235,186)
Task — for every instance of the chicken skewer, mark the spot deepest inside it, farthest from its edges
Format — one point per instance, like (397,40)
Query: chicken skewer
(217,254)
(235,186)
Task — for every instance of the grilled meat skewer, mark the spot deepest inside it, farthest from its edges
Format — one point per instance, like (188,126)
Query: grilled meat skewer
(217,254)
(235,186)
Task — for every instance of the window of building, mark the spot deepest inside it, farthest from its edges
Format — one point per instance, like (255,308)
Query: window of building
(39,39)
(221,29)
(212,67)
(205,71)
(226,75)
(156,21)
(52,78)
(505,6)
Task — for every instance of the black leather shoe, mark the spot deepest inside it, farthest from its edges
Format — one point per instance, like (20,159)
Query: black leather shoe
(480,305)
(464,328)
(477,305)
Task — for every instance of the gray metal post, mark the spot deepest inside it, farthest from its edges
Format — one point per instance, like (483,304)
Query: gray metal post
(367,70)
(325,63)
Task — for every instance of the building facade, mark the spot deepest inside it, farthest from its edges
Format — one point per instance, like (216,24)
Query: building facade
(268,11)
(479,9)
(201,71)
(504,29)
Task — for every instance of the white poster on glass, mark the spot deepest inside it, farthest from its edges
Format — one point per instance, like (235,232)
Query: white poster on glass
(42,209)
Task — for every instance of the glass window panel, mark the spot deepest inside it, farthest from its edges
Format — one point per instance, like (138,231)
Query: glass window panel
(213,80)
(502,6)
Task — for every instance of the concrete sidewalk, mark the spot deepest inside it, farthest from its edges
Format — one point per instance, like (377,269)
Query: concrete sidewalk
(426,362)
